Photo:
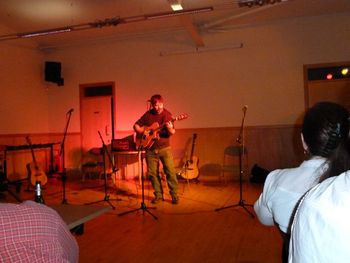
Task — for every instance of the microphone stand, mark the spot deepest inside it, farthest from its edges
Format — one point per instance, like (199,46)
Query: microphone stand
(61,153)
(241,147)
(104,152)
(143,206)
(4,182)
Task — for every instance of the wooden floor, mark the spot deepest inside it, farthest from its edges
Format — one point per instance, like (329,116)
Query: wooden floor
(191,231)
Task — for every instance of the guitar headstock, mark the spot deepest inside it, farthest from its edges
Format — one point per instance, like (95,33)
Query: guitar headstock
(181,117)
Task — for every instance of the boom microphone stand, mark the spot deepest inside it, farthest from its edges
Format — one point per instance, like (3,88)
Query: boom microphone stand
(104,152)
(143,206)
(240,142)
(64,172)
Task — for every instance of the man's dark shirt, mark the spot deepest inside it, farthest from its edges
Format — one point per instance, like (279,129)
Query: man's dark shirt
(151,117)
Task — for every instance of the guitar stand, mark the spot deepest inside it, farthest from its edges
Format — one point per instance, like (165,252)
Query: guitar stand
(240,141)
(143,206)
(106,198)
(4,182)
(4,187)
(28,180)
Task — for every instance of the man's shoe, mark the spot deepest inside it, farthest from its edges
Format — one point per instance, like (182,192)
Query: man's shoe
(156,200)
(174,200)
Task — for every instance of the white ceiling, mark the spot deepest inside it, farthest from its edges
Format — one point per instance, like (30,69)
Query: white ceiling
(18,16)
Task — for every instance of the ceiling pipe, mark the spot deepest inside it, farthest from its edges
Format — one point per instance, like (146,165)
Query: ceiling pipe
(235,16)
(104,23)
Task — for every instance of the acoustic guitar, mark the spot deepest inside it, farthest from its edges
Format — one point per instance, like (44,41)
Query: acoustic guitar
(35,173)
(151,134)
(190,169)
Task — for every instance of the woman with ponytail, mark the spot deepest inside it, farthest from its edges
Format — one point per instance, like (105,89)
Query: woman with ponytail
(321,226)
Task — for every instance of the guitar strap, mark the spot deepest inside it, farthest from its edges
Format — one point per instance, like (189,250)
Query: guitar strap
(163,121)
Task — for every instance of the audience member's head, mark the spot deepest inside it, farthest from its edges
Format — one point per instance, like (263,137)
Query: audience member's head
(325,133)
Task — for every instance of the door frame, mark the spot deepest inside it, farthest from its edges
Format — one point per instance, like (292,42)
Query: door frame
(321,65)
(82,88)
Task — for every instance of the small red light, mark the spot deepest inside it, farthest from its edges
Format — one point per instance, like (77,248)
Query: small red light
(329,76)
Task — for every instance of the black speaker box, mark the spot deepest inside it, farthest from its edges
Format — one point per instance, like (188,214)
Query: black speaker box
(53,72)
(259,174)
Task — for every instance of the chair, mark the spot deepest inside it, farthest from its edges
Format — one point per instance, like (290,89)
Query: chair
(92,164)
(231,161)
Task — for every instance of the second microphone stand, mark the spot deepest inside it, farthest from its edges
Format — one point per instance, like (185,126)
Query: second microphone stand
(143,206)
(61,153)
(104,152)
(242,150)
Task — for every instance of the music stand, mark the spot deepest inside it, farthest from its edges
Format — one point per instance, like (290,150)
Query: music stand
(143,206)
(241,147)
(106,198)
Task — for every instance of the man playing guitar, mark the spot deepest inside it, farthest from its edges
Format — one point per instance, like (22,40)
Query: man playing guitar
(155,127)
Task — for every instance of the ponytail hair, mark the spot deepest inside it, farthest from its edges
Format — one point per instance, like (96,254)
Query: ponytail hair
(326,133)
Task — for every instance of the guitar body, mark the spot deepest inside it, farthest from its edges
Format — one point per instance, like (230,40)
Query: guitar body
(151,134)
(190,170)
(146,140)
(36,174)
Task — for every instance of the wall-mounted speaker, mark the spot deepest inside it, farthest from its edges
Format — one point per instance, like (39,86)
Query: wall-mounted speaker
(53,72)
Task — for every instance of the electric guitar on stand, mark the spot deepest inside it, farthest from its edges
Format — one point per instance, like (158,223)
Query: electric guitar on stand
(35,173)
(190,169)
(151,134)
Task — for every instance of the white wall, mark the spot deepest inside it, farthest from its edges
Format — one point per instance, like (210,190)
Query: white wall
(212,87)
(24,99)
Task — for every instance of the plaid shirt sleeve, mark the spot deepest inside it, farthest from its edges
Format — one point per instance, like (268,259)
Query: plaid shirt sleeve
(31,232)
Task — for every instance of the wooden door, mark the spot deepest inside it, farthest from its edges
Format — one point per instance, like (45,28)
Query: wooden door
(329,90)
(96,114)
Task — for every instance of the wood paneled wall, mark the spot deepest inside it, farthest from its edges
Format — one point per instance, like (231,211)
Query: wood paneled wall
(16,160)
(270,147)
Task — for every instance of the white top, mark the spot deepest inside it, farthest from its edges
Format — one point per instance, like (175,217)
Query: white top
(321,228)
(283,189)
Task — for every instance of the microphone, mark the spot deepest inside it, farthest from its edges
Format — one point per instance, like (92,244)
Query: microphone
(70,111)
(244,109)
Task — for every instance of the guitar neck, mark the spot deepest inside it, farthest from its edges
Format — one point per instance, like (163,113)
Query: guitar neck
(33,156)
(31,150)
(151,133)
(164,124)
(193,144)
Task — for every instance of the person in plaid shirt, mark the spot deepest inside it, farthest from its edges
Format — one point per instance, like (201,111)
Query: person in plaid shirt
(32,232)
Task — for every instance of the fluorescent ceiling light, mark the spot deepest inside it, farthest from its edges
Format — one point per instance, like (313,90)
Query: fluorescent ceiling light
(45,32)
(181,12)
(176,7)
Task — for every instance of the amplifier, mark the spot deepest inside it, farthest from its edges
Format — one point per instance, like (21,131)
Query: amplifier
(124,144)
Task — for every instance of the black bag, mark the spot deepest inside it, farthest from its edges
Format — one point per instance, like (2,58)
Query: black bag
(258,174)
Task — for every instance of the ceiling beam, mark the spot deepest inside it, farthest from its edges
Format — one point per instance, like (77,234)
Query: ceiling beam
(192,30)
